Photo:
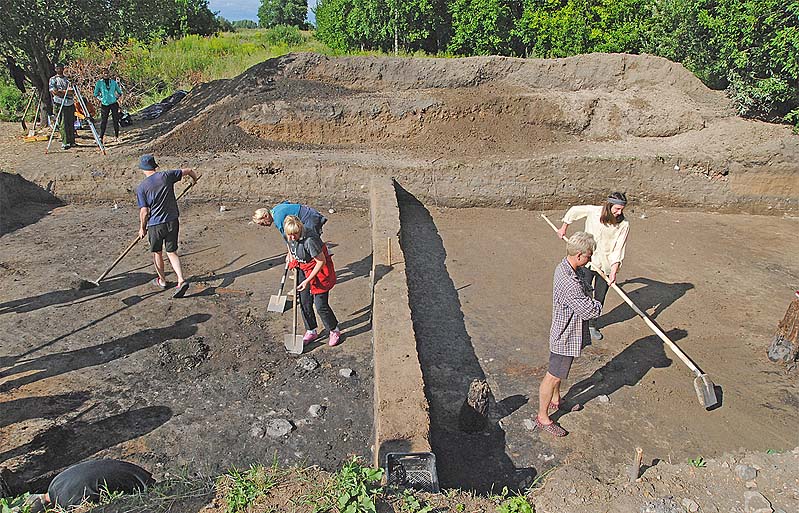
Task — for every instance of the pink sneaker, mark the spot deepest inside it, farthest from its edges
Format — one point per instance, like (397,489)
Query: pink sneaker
(335,338)
(309,337)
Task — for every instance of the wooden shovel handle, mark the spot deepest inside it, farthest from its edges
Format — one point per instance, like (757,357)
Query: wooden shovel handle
(682,356)
(119,258)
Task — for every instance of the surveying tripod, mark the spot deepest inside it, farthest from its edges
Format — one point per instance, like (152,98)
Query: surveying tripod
(78,98)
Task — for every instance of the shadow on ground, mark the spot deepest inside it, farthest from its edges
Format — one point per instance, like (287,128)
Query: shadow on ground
(470,461)
(63,445)
(627,368)
(654,294)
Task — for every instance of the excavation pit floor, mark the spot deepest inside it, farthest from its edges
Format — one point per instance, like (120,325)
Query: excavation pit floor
(203,382)
(480,284)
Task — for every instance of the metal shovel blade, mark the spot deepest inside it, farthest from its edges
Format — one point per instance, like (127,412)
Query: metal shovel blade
(293,343)
(277,304)
(705,391)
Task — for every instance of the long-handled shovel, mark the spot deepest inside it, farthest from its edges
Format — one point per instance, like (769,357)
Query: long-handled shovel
(89,284)
(293,342)
(278,303)
(705,389)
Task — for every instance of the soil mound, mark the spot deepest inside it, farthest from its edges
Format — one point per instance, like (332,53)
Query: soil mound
(471,105)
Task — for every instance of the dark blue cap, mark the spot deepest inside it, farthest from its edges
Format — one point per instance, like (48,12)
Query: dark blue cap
(147,162)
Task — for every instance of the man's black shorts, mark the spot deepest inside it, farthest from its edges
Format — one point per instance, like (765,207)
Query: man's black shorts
(560,365)
(164,235)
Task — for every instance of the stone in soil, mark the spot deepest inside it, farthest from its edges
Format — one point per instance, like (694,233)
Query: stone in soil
(347,373)
(754,502)
(308,363)
(603,399)
(745,472)
(316,410)
(662,505)
(278,428)
(690,505)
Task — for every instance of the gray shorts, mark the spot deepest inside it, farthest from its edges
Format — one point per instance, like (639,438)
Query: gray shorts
(560,365)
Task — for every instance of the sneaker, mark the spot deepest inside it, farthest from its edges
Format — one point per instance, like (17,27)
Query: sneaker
(335,337)
(595,334)
(309,337)
(65,146)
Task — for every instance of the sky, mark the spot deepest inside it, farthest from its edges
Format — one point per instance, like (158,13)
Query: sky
(241,9)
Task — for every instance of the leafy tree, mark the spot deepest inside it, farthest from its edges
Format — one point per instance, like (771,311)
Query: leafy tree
(191,17)
(481,27)
(35,33)
(224,25)
(386,25)
(283,12)
(244,24)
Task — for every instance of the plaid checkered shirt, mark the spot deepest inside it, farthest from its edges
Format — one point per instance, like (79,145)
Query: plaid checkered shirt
(572,306)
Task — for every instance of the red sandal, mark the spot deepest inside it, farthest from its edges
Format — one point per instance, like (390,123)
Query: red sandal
(553,428)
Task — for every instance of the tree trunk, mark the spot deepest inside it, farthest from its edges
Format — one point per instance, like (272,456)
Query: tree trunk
(785,344)
(474,411)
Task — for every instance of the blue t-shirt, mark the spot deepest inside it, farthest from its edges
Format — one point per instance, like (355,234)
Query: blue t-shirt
(282,210)
(311,218)
(157,192)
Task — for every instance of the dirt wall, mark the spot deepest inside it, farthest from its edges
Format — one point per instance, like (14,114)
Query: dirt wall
(402,421)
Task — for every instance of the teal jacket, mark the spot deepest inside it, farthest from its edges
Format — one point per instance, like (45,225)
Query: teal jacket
(107,94)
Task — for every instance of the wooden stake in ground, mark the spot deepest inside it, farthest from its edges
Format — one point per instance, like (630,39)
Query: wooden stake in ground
(784,346)
(635,468)
(473,416)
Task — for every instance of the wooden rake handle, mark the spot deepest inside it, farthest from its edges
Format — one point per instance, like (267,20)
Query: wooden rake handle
(654,327)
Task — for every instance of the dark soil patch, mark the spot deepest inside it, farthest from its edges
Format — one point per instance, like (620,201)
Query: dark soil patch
(124,371)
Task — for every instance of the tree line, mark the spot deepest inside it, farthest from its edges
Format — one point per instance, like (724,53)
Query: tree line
(748,47)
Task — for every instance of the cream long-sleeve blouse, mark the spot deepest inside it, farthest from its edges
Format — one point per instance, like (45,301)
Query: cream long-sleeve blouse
(610,240)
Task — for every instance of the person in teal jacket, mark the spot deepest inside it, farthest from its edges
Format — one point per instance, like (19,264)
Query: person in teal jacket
(108,91)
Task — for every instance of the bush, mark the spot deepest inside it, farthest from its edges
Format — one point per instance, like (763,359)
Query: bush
(12,102)
(284,35)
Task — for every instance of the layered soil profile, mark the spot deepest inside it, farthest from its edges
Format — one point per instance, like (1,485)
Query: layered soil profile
(478,131)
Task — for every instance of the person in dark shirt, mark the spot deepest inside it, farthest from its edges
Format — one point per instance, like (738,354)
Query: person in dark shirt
(158,217)
(86,480)
(318,276)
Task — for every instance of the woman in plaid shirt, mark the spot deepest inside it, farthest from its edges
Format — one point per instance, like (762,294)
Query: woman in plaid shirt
(572,306)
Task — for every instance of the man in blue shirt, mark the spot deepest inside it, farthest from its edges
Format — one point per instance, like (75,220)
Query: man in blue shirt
(158,217)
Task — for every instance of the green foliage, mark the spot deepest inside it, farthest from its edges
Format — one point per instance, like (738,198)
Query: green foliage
(353,25)
(356,487)
(284,35)
(107,496)
(698,462)
(244,24)
(15,504)
(409,503)
(516,503)
(481,27)
(12,102)
(273,13)
(224,25)
(245,487)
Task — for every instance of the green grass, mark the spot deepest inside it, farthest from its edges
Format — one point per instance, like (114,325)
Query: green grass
(150,72)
